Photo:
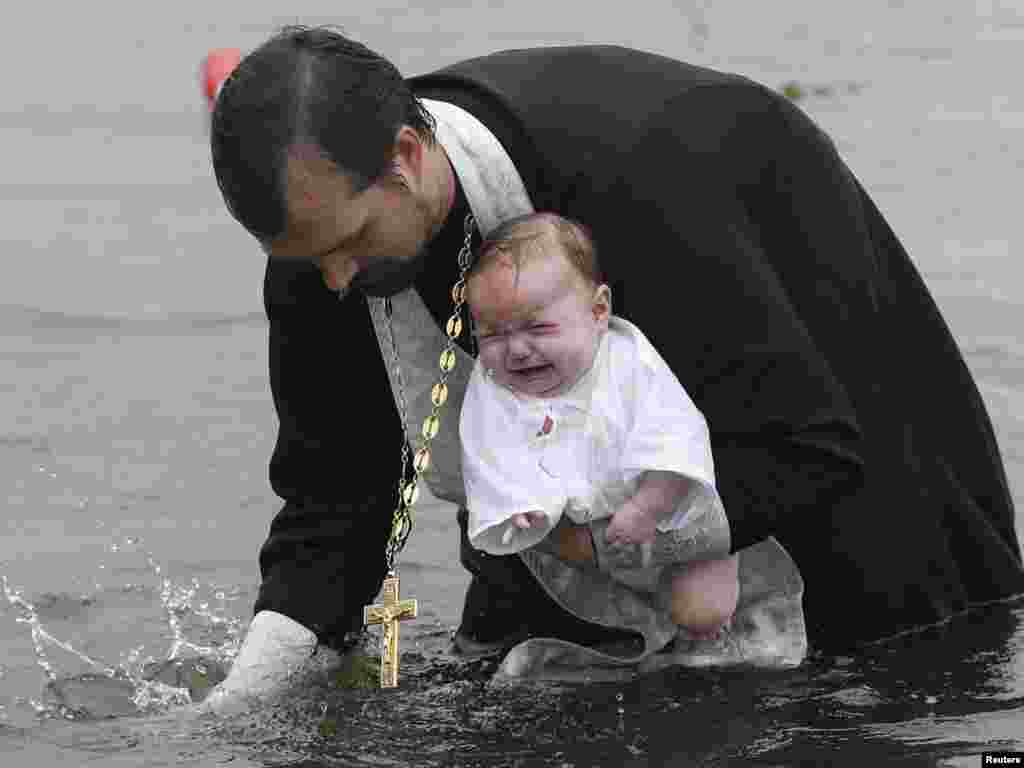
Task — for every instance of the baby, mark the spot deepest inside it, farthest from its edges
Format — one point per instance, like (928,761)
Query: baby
(570,410)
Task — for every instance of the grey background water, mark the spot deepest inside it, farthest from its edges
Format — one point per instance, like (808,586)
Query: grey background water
(136,421)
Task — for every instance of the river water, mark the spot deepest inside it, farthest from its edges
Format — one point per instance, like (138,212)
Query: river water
(136,420)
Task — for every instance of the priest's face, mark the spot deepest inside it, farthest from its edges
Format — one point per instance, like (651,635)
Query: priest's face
(538,330)
(372,240)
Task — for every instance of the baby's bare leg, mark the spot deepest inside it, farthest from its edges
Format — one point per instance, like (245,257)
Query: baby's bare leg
(572,543)
(702,596)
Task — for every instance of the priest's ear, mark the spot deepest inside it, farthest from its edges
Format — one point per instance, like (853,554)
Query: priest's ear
(601,305)
(407,162)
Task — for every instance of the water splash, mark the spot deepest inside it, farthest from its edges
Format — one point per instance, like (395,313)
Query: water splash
(40,636)
(179,601)
(139,683)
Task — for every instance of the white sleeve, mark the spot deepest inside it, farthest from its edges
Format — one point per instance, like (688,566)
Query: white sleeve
(501,478)
(669,434)
(274,647)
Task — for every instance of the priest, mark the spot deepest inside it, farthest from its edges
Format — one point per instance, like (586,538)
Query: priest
(844,423)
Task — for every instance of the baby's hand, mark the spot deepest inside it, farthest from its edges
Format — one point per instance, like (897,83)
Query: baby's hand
(523,521)
(632,525)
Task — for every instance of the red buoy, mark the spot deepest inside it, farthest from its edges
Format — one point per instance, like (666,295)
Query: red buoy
(218,64)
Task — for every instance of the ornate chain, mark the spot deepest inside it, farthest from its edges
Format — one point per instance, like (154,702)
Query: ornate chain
(409,492)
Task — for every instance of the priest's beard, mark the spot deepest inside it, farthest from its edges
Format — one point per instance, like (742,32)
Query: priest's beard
(388,276)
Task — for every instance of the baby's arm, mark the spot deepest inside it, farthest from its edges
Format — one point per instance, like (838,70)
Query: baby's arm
(656,499)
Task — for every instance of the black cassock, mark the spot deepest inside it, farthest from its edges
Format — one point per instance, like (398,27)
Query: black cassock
(843,419)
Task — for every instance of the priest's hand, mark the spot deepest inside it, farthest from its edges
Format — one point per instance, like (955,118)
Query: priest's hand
(274,647)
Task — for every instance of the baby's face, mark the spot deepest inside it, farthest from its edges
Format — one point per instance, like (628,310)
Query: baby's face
(539,335)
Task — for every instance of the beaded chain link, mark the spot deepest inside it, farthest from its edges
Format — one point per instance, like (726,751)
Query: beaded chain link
(409,492)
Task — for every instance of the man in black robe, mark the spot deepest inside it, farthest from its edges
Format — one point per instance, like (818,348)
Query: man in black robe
(843,419)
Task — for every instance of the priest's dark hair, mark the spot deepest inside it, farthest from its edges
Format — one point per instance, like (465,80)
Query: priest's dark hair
(516,237)
(306,85)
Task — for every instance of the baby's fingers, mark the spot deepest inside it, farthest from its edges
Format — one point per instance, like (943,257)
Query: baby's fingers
(522,520)
(536,518)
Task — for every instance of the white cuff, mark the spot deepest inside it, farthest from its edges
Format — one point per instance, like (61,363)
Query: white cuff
(274,647)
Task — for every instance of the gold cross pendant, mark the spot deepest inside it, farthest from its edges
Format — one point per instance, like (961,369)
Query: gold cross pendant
(388,615)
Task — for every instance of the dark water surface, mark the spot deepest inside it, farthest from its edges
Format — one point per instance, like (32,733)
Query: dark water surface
(136,419)
(938,698)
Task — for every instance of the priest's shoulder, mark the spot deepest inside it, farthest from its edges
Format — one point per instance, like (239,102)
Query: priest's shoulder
(554,61)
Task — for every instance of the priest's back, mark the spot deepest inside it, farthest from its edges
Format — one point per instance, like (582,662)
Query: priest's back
(843,418)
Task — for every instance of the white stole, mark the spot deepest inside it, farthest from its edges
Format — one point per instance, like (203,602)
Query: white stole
(496,193)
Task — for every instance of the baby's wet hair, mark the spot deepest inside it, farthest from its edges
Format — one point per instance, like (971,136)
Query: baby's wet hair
(517,239)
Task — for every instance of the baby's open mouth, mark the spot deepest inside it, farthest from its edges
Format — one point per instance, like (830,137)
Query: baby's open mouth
(533,370)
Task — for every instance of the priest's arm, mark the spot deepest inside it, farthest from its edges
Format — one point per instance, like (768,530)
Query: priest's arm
(334,465)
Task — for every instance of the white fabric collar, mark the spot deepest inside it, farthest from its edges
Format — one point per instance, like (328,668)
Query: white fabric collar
(493,186)
(495,192)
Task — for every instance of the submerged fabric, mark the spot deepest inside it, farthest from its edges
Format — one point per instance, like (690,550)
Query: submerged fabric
(844,422)
(767,629)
